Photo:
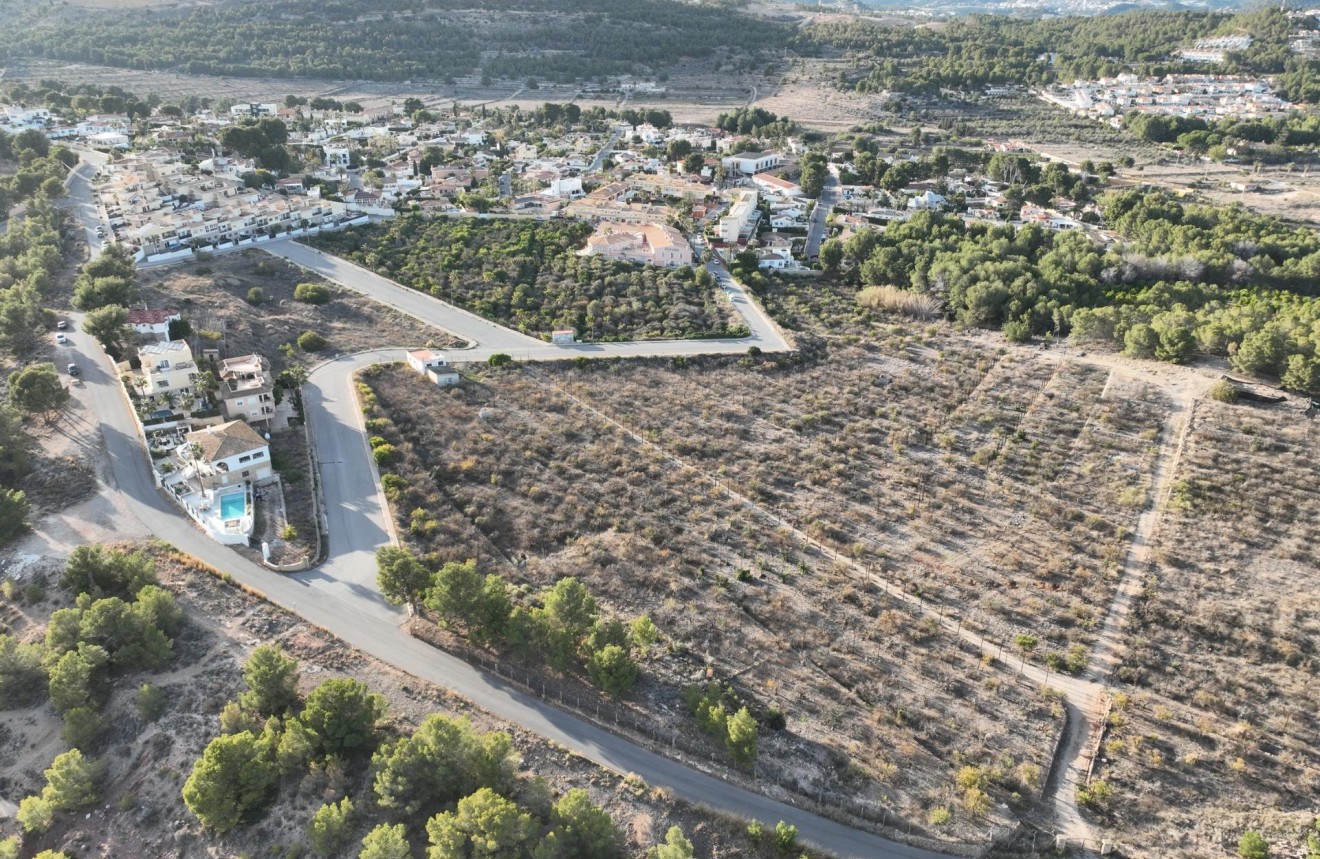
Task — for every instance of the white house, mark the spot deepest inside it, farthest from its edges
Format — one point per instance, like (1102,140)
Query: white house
(228,454)
(739,218)
(926,200)
(109,140)
(336,156)
(155,322)
(570,186)
(750,164)
(433,366)
(776,185)
(241,110)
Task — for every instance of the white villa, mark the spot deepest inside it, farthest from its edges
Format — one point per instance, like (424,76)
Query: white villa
(212,476)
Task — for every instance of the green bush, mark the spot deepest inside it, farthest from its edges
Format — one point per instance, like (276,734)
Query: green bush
(1252,845)
(1224,391)
(150,702)
(311,293)
(310,341)
(256,296)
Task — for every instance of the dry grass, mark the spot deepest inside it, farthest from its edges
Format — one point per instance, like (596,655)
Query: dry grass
(1222,656)
(891,299)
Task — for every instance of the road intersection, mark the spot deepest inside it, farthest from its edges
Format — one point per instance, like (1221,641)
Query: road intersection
(341,595)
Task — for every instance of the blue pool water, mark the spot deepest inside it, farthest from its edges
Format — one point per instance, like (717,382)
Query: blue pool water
(233,506)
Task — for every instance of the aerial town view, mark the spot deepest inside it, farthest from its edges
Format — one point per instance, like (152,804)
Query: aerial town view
(659,429)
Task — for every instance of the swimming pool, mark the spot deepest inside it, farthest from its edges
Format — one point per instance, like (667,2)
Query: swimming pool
(233,506)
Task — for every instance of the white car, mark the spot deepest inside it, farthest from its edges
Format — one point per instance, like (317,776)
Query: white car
(61,339)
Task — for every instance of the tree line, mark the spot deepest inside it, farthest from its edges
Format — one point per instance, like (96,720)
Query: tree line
(975,51)
(1186,280)
(456,784)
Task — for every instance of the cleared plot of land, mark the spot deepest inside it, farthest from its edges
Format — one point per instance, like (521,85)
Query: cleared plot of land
(141,812)
(881,707)
(1221,731)
(212,295)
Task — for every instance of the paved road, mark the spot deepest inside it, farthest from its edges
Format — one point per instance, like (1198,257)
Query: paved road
(599,160)
(828,198)
(341,595)
(350,608)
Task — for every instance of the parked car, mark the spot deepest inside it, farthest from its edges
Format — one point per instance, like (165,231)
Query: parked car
(62,324)
(74,371)
(100,231)
(61,339)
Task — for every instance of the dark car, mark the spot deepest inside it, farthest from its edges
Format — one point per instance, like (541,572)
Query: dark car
(74,371)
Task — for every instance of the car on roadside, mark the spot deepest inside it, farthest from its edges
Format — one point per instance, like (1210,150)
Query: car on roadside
(61,339)
(62,324)
(74,371)
(100,231)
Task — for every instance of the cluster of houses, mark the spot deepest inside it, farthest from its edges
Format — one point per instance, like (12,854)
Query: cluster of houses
(1202,96)
(1215,49)
(165,208)
(975,198)
(205,423)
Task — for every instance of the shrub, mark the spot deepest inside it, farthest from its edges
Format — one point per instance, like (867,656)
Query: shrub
(310,341)
(256,296)
(150,702)
(328,830)
(384,454)
(83,728)
(1224,391)
(1252,845)
(785,836)
(499,359)
(311,293)
(938,816)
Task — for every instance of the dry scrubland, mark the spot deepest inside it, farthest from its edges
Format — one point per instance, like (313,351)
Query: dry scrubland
(1001,486)
(1221,730)
(141,812)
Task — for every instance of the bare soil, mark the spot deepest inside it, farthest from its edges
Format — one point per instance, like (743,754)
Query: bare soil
(1219,732)
(142,814)
(211,295)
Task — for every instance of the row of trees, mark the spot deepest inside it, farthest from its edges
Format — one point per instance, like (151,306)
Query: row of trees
(527,275)
(31,253)
(460,783)
(561,624)
(1189,279)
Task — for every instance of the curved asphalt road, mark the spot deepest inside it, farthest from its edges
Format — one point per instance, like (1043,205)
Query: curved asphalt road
(341,595)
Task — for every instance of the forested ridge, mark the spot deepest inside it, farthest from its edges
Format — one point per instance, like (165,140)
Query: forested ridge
(981,50)
(391,39)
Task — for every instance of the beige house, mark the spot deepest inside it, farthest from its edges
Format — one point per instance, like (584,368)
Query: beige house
(653,244)
(247,389)
(167,368)
(227,455)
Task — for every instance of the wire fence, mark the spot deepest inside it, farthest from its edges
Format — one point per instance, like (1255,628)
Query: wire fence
(697,751)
